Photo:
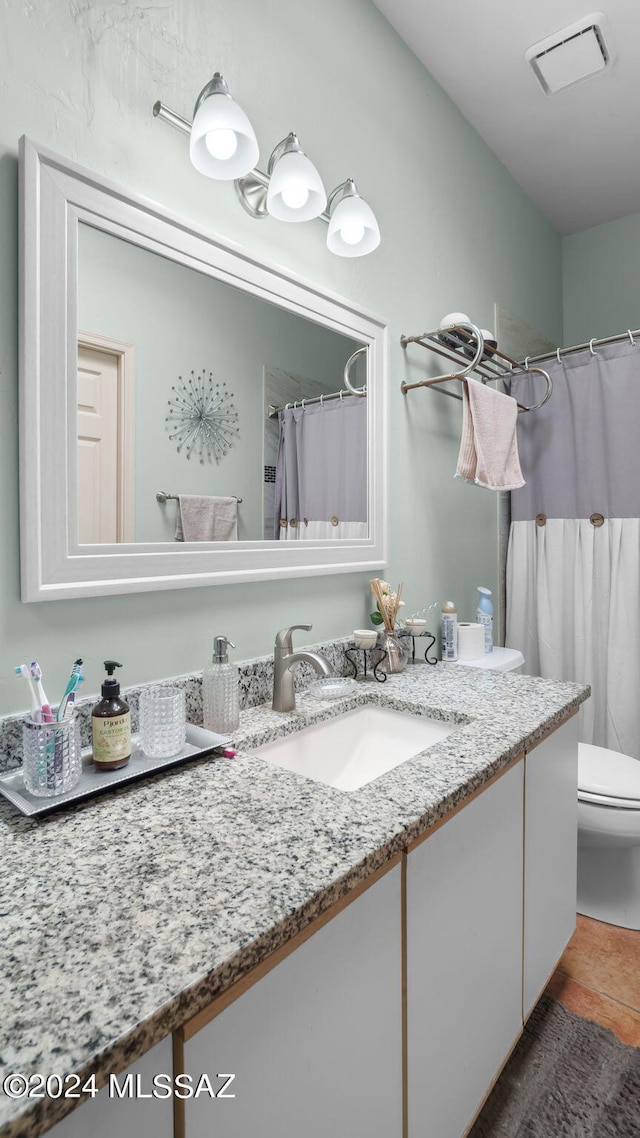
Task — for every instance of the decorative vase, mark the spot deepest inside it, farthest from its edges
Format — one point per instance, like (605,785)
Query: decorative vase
(396,654)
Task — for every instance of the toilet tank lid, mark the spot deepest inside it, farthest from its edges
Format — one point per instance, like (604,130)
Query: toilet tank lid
(500,660)
(601,771)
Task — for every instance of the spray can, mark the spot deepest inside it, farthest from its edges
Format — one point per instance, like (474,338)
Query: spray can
(449,631)
(484,615)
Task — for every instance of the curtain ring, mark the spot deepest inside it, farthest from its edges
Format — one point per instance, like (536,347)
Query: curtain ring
(295,404)
(526,363)
(341,394)
(591,348)
(287,406)
(558,355)
(321,399)
(630,335)
(302,404)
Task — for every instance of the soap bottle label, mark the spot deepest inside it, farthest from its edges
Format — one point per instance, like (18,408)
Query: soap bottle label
(449,627)
(111,738)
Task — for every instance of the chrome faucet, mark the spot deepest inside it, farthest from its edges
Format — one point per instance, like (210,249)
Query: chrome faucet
(284,661)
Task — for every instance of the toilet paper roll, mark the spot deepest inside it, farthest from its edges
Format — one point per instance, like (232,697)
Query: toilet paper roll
(470,641)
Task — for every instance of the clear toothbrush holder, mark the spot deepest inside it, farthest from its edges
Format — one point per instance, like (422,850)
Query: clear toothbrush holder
(51,756)
(163,721)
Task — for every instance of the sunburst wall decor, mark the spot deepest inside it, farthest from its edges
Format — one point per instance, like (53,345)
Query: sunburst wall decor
(202,417)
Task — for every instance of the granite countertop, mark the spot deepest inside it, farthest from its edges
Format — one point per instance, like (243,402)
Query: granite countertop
(125,915)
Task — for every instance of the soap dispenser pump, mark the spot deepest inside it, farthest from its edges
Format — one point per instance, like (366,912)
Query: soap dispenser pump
(220,690)
(111,724)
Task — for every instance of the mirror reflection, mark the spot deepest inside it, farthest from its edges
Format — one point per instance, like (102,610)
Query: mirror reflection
(192,389)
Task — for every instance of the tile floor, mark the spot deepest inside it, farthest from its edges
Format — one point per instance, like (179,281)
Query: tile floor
(598,978)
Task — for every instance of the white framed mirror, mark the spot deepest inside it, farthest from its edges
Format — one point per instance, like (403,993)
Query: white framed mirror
(156,363)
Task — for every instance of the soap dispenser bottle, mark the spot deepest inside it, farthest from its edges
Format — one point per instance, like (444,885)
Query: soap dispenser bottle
(220,690)
(111,725)
(449,631)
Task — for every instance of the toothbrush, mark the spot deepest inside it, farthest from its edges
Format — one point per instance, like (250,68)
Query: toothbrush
(69,692)
(72,696)
(69,697)
(36,713)
(36,675)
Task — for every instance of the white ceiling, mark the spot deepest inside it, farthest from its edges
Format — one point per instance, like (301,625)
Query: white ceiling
(576,153)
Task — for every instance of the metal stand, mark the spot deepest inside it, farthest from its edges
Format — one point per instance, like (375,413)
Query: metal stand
(430,645)
(374,664)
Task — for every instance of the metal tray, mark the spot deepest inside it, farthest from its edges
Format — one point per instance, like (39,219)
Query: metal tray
(199,742)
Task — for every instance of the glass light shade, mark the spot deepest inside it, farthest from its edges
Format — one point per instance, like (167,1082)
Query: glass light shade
(296,192)
(223,144)
(353,229)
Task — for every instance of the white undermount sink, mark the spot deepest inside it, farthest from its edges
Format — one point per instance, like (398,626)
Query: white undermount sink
(354,748)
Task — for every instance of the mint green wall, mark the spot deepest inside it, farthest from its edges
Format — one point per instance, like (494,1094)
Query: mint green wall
(458,234)
(601,271)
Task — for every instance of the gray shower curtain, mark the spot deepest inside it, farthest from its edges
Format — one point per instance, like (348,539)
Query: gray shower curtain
(321,471)
(573,563)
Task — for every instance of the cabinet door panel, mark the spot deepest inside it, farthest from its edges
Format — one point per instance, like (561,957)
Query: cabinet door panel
(551,851)
(316,1044)
(109,1116)
(464,958)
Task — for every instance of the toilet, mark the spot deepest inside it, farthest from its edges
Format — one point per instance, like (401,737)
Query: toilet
(608,836)
(500,660)
(608,821)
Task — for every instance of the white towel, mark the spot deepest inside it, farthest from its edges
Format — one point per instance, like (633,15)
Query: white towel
(202,518)
(489,445)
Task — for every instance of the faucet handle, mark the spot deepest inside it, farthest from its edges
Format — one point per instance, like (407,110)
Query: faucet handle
(283,637)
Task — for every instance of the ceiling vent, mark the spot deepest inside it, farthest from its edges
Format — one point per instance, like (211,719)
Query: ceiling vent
(570,55)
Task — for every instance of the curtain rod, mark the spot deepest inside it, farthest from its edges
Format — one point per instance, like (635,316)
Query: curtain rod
(628,335)
(273,411)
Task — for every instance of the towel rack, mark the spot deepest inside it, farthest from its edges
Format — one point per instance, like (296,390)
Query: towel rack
(162,496)
(464,345)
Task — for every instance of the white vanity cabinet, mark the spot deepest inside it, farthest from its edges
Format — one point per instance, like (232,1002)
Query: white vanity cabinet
(551,850)
(316,1043)
(401,1004)
(464,957)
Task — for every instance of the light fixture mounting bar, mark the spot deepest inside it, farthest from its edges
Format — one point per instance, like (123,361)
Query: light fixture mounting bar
(174,119)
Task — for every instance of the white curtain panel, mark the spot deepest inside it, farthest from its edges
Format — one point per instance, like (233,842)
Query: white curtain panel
(573,587)
(573,609)
(324,531)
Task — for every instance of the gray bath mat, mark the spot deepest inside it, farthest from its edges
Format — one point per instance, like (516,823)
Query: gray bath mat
(567,1078)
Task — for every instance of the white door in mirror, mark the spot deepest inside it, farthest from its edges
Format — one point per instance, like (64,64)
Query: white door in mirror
(100,475)
(105,439)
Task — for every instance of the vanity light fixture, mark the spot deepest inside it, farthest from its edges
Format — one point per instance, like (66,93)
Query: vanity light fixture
(222,142)
(296,192)
(223,146)
(353,229)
